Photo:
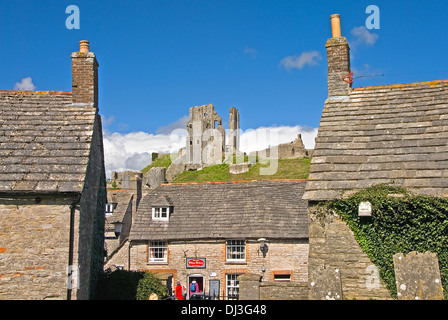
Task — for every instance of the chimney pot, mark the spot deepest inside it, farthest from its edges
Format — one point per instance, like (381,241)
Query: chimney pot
(83,46)
(336,25)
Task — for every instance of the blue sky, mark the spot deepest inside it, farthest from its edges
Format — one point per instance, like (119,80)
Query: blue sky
(159,58)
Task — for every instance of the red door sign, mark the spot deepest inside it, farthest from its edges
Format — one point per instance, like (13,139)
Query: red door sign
(195,263)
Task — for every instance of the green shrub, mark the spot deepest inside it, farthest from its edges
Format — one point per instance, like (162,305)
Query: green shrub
(151,284)
(398,224)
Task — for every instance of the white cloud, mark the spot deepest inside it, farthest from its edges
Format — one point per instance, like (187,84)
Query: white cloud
(362,35)
(310,58)
(251,52)
(132,151)
(25,84)
(107,121)
(179,124)
(138,161)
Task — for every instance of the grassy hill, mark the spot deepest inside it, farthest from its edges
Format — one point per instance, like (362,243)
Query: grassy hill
(287,169)
(161,161)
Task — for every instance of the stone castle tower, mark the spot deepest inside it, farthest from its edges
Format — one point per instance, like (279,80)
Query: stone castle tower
(206,138)
(234,130)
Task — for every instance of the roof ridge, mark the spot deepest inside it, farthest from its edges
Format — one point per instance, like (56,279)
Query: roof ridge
(402,85)
(34,92)
(227,182)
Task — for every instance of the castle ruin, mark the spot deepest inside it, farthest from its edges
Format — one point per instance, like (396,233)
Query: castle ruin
(206,140)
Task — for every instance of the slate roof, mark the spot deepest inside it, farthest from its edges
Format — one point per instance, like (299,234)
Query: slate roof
(44,142)
(254,209)
(379,134)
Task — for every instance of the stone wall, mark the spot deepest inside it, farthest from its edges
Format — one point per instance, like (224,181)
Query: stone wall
(333,245)
(291,150)
(283,256)
(34,246)
(90,233)
(284,290)
(253,288)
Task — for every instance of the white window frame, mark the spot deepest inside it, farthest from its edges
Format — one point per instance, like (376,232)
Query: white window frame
(161,213)
(109,209)
(282,277)
(157,247)
(232,286)
(235,244)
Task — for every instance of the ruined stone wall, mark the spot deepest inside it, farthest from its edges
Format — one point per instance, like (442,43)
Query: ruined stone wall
(34,243)
(283,256)
(292,150)
(333,246)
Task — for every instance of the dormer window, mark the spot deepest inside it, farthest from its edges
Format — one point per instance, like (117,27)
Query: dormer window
(161,213)
(110,208)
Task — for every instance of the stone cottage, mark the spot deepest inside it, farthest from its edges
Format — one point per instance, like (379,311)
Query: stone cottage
(213,232)
(368,136)
(52,188)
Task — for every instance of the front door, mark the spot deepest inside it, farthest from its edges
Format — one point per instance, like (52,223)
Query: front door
(197,280)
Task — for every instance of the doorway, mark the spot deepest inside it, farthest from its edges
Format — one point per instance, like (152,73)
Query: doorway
(199,280)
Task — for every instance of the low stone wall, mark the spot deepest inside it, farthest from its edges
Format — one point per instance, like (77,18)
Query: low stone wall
(283,290)
(252,288)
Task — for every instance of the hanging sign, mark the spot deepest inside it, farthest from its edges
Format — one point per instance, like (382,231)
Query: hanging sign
(195,263)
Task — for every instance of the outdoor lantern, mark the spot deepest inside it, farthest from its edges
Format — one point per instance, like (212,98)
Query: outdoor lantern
(117,228)
(263,246)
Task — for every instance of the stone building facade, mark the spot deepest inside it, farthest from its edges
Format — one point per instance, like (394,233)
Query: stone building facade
(52,189)
(368,136)
(213,232)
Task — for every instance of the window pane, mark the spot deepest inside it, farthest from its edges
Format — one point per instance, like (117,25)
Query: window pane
(157,251)
(236,250)
(232,286)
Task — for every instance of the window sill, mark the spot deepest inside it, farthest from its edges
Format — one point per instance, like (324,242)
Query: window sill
(236,262)
(157,263)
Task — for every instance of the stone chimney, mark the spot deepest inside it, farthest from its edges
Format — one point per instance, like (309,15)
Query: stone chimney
(84,76)
(338,56)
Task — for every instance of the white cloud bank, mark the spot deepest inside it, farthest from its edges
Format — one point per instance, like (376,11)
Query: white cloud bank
(25,84)
(310,58)
(362,35)
(132,151)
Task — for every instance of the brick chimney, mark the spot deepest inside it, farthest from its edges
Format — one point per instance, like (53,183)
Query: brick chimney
(338,57)
(85,76)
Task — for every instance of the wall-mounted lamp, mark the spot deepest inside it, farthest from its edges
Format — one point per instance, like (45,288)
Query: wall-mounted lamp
(365,209)
(263,246)
(118,226)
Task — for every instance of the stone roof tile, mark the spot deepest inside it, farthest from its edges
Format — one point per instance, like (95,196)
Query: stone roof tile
(44,141)
(388,133)
(251,209)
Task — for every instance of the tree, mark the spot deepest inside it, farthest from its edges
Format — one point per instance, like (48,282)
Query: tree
(151,284)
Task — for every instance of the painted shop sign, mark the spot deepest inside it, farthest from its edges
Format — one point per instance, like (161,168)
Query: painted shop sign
(195,263)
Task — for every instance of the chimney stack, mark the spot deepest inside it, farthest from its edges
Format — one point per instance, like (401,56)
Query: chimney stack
(338,57)
(84,76)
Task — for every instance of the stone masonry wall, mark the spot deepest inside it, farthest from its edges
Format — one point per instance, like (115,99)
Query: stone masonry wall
(287,256)
(338,58)
(34,243)
(92,219)
(333,245)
